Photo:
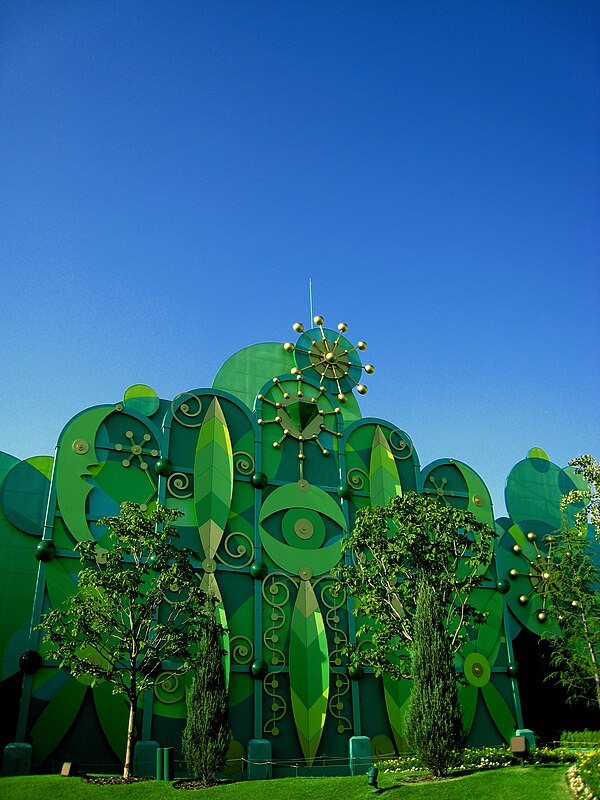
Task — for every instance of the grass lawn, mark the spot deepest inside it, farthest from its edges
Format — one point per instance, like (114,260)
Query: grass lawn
(508,783)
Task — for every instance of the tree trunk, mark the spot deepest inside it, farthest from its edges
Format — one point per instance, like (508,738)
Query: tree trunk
(593,659)
(127,769)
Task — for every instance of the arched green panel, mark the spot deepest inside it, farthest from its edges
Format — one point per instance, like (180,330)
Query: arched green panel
(24,493)
(246,371)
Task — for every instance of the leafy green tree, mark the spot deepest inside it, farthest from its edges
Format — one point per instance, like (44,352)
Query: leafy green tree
(136,605)
(573,587)
(433,721)
(390,551)
(207,733)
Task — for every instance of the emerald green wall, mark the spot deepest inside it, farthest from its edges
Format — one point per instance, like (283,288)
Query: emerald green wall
(269,467)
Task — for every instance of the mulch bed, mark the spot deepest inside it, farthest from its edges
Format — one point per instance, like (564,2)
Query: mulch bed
(110,779)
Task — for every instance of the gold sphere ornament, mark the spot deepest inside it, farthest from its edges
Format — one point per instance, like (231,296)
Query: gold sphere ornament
(295,371)
(362,345)
(341,397)
(514,573)
(542,616)
(369,369)
(342,327)
(523,599)
(318,320)
(330,357)
(298,327)
(517,549)
(361,388)
(531,536)
(288,347)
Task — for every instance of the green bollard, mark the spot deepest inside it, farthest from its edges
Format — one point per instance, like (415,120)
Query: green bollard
(160,764)
(168,763)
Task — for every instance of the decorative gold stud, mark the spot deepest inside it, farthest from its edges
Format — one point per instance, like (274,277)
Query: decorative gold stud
(361,388)
(318,320)
(369,369)
(298,327)
(342,327)
(288,347)
(362,345)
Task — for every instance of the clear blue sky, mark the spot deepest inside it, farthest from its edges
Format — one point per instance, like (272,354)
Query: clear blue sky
(172,173)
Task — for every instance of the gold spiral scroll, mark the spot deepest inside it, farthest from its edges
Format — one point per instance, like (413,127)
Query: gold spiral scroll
(243,462)
(241,649)
(357,478)
(186,409)
(246,548)
(402,447)
(179,485)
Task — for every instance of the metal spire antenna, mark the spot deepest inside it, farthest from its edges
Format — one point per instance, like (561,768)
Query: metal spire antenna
(310,297)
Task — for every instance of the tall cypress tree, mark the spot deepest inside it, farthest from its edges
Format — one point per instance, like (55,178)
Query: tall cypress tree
(207,734)
(434,725)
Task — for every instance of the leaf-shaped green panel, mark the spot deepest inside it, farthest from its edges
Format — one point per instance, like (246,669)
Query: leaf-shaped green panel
(383,473)
(309,671)
(498,708)
(56,719)
(489,635)
(75,456)
(113,715)
(467,697)
(397,694)
(213,478)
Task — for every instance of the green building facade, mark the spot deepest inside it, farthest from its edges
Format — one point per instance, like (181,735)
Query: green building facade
(269,467)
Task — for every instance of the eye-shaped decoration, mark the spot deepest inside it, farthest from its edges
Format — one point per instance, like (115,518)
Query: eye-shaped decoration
(307,512)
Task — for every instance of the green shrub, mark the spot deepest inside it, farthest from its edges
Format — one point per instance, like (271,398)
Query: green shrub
(589,738)
(433,721)
(207,734)
(486,758)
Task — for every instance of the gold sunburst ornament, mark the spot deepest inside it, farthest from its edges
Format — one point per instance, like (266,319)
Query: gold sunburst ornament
(329,357)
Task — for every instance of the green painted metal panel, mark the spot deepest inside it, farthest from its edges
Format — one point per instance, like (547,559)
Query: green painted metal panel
(75,457)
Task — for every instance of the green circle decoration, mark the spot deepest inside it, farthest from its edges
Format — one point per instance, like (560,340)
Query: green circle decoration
(45,551)
(141,398)
(477,669)
(163,467)
(258,570)
(259,668)
(303,528)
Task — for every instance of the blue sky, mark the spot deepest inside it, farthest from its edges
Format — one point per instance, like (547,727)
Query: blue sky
(173,173)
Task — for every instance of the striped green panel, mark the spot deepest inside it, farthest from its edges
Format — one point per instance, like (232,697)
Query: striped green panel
(113,715)
(55,720)
(213,478)
(309,671)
